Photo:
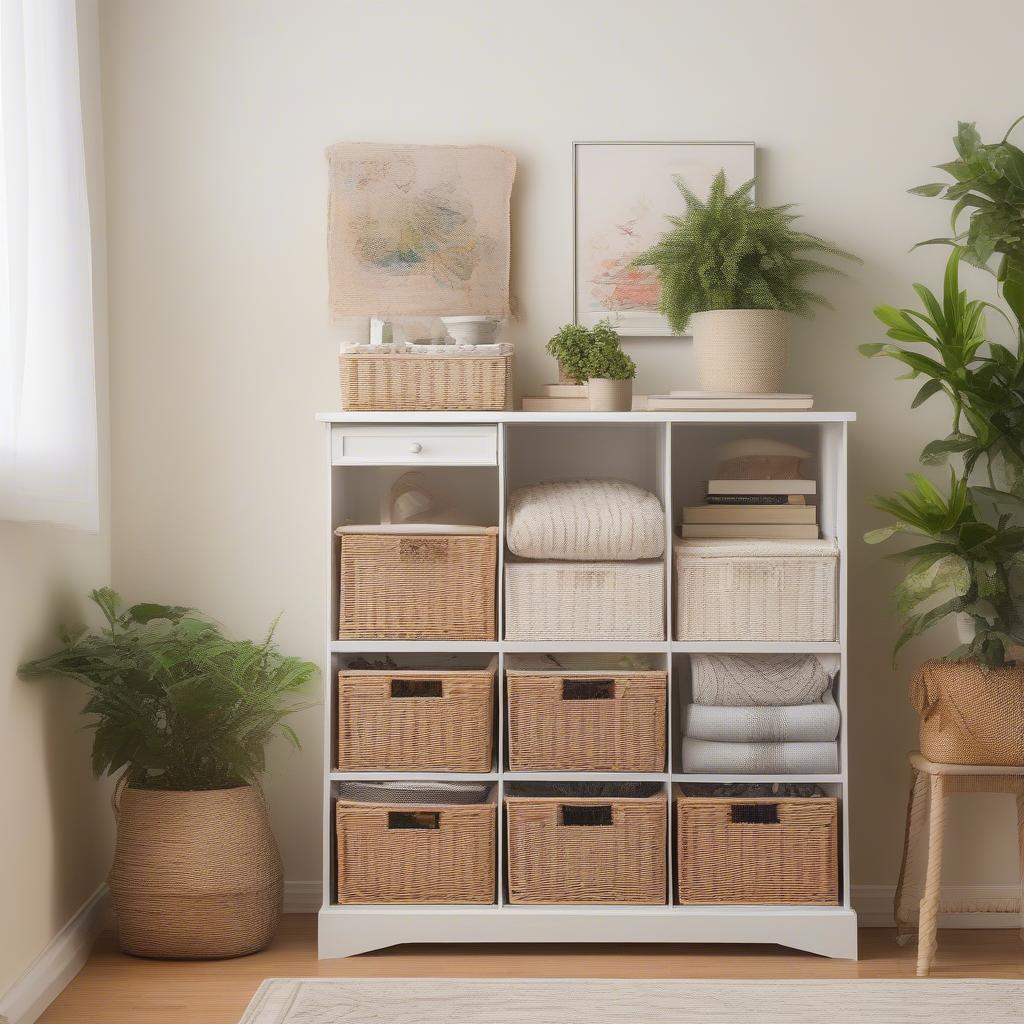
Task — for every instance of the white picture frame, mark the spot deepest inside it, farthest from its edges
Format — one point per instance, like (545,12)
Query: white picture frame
(622,194)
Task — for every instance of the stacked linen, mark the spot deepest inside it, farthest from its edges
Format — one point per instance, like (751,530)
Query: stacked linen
(761,714)
(587,562)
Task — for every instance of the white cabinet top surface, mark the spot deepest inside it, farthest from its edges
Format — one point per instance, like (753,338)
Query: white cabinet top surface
(812,416)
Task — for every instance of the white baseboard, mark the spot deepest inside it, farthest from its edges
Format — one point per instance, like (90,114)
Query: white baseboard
(47,976)
(873,904)
(303,897)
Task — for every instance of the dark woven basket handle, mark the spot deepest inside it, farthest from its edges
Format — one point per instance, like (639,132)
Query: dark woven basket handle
(754,814)
(588,689)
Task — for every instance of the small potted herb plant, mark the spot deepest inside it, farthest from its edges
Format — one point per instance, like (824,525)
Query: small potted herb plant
(183,714)
(967,559)
(595,356)
(732,273)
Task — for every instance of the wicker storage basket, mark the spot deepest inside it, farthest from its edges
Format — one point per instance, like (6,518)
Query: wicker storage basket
(398,585)
(196,875)
(415,721)
(415,843)
(970,714)
(398,382)
(756,590)
(604,844)
(584,600)
(757,850)
(562,719)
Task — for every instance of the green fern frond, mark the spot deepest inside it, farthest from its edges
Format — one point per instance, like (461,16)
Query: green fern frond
(727,253)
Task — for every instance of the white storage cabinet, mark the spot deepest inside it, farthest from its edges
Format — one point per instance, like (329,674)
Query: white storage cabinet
(473,460)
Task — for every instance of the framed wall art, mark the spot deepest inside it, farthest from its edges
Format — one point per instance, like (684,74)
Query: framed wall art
(419,230)
(622,193)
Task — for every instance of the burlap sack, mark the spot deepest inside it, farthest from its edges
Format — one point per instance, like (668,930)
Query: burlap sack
(970,715)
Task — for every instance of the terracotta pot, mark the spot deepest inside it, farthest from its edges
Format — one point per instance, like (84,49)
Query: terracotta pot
(969,714)
(196,875)
(741,350)
(607,395)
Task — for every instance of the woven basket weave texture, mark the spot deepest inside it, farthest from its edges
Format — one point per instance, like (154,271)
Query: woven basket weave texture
(416,721)
(764,590)
(586,520)
(424,846)
(418,587)
(757,850)
(581,721)
(613,853)
(741,350)
(392,382)
(195,875)
(584,600)
(970,715)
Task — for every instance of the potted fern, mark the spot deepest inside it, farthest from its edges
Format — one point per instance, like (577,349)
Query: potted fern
(183,714)
(969,566)
(595,356)
(732,273)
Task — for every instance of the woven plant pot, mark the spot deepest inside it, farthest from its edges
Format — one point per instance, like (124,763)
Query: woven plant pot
(607,395)
(742,350)
(196,875)
(970,715)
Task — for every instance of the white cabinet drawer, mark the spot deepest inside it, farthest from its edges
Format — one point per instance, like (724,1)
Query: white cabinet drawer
(401,445)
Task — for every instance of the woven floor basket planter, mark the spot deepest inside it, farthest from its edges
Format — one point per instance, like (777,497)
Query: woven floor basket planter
(606,848)
(195,875)
(416,586)
(970,715)
(415,844)
(584,600)
(586,721)
(742,350)
(415,721)
(756,590)
(757,850)
(392,382)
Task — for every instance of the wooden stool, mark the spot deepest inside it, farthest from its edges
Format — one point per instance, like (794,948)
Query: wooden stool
(930,784)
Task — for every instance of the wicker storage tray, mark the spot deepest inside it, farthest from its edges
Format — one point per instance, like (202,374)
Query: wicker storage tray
(757,850)
(756,590)
(584,600)
(602,718)
(608,847)
(415,843)
(417,586)
(416,720)
(397,382)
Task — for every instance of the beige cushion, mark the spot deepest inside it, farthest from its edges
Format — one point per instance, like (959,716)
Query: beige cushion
(585,520)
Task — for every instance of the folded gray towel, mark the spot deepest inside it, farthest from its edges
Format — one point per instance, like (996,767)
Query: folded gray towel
(746,680)
(804,723)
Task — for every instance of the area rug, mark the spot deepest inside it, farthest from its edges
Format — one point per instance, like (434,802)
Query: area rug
(584,1001)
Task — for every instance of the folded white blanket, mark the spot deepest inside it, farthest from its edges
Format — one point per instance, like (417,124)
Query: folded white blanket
(747,680)
(803,723)
(759,758)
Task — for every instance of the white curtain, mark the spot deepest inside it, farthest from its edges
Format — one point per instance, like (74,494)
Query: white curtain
(48,431)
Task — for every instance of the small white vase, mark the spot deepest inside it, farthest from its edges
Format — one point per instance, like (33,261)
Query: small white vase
(741,350)
(607,395)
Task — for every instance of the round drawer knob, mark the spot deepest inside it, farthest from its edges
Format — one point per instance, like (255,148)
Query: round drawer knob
(415,448)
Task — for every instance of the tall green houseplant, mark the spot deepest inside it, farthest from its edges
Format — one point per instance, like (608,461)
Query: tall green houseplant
(967,559)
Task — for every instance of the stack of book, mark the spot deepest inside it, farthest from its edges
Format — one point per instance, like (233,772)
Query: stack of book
(568,398)
(754,510)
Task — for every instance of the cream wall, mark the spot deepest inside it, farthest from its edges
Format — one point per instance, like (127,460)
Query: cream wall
(217,114)
(55,842)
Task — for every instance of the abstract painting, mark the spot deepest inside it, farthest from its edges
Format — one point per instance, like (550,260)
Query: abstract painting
(419,230)
(623,192)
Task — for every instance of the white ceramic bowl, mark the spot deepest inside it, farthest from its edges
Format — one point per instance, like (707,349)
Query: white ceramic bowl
(471,330)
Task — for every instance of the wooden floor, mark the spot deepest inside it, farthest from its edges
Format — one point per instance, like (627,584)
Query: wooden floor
(116,989)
